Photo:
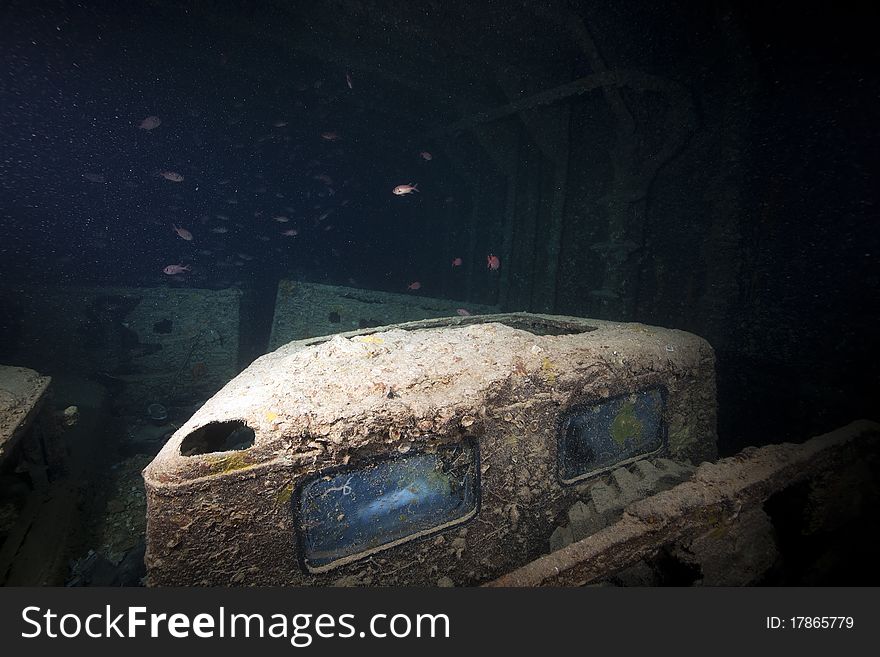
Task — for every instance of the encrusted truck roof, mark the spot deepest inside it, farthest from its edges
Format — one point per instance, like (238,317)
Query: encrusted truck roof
(333,395)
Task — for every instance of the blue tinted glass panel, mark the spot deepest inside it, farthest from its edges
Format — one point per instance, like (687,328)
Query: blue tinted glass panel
(596,436)
(362,509)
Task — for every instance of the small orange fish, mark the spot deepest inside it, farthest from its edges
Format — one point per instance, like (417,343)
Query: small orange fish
(400,190)
(456,262)
(493,262)
(415,285)
(183,233)
(173,176)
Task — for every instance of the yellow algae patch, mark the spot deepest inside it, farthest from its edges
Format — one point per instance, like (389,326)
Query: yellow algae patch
(370,339)
(626,425)
(548,369)
(230,462)
(271,416)
(284,495)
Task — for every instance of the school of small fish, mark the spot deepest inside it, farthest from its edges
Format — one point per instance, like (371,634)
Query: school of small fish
(291,215)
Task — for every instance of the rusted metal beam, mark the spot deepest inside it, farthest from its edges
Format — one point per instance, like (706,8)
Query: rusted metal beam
(619,78)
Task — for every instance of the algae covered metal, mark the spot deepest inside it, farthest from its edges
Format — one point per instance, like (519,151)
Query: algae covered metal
(432,452)
(22,393)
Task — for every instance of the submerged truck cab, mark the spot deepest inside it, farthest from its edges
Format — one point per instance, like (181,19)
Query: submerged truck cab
(444,451)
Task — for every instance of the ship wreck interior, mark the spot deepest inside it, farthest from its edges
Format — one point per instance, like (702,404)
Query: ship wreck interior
(706,167)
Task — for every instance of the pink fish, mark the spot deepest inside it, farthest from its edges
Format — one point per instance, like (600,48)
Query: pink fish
(150,122)
(462,312)
(415,285)
(173,176)
(426,156)
(456,262)
(183,233)
(493,262)
(400,190)
(329,136)
(290,232)
(171,270)
(348,80)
